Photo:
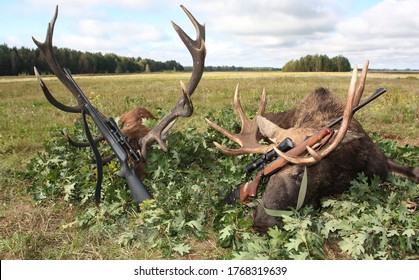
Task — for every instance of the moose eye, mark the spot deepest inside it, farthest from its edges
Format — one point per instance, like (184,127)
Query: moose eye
(297,174)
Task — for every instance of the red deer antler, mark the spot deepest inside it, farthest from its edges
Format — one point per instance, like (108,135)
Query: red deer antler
(247,137)
(183,108)
(47,50)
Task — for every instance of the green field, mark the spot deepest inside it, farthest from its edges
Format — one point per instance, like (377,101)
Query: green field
(33,230)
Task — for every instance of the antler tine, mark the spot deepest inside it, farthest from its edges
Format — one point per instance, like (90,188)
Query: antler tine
(232,136)
(361,85)
(184,107)
(262,104)
(243,151)
(51,98)
(354,95)
(74,143)
(247,137)
(196,48)
(47,49)
(238,105)
(239,108)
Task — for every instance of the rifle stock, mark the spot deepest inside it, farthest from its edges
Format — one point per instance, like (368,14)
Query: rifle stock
(250,188)
(297,151)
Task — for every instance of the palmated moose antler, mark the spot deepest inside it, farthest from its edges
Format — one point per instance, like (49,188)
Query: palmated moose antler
(247,137)
(183,108)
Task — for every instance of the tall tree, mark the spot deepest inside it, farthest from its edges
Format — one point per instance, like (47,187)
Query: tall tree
(5,65)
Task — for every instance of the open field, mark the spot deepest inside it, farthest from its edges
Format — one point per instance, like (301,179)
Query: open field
(28,112)
(30,230)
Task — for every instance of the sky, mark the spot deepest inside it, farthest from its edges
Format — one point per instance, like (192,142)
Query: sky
(251,33)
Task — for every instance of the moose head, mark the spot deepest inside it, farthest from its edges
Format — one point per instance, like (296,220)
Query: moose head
(330,169)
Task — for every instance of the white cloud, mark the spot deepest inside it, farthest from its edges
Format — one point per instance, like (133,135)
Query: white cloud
(131,31)
(283,30)
(388,19)
(387,32)
(241,33)
(86,6)
(271,18)
(265,29)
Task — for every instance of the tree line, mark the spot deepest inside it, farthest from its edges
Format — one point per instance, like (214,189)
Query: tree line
(14,61)
(318,63)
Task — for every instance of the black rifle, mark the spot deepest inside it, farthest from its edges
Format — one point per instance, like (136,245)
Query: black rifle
(118,142)
(265,159)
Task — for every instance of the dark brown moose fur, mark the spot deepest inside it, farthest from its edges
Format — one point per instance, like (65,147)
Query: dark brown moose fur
(332,175)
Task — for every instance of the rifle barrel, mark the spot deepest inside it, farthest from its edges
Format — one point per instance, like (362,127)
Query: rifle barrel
(376,94)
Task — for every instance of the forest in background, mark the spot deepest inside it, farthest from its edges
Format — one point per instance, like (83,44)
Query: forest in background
(318,63)
(20,61)
(14,61)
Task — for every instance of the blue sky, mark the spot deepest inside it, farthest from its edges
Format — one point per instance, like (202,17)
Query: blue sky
(241,33)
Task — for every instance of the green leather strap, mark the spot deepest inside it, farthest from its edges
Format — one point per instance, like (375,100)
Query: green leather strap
(279,213)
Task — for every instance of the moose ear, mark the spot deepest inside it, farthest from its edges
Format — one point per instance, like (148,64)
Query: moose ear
(268,128)
(351,136)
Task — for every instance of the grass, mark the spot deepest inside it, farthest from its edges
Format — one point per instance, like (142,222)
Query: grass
(32,231)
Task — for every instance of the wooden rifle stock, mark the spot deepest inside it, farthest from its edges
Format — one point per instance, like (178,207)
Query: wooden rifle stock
(250,188)
(297,151)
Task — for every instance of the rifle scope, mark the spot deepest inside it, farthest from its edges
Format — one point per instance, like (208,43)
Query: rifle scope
(284,146)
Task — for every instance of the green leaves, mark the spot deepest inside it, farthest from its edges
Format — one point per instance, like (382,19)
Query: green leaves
(353,245)
(182,248)
(372,225)
(189,184)
(406,154)
(370,221)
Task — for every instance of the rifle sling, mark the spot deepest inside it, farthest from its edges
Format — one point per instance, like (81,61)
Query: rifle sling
(98,157)
(278,213)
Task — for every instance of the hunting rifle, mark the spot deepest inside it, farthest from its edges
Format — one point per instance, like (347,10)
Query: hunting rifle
(250,188)
(115,138)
